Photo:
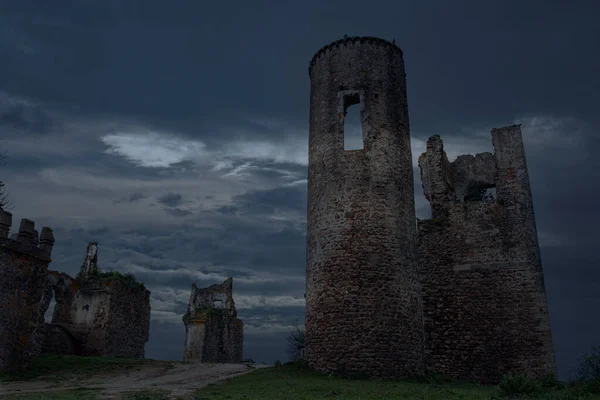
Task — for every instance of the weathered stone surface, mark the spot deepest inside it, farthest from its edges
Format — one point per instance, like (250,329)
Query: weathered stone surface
(484,298)
(100,316)
(23,267)
(363,295)
(213,333)
(473,304)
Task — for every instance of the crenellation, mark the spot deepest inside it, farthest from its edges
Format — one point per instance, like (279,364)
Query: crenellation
(23,268)
(27,232)
(46,241)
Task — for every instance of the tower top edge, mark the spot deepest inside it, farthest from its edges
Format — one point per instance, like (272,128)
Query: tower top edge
(351,40)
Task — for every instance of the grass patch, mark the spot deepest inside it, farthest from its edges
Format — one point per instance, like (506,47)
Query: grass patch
(295,381)
(79,394)
(55,365)
(148,395)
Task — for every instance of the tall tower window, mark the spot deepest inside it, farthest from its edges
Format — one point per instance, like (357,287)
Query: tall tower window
(352,118)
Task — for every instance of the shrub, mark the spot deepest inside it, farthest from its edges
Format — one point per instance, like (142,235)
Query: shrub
(589,368)
(512,385)
(128,279)
(277,363)
(550,382)
(295,342)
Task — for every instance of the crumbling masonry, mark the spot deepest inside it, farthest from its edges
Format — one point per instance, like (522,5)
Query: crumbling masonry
(213,333)
(95,313)
(24,260)
(461,293)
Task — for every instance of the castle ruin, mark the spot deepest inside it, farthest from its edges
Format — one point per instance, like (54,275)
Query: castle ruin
(387,295)
(213,333)
(24,260)
(95,313)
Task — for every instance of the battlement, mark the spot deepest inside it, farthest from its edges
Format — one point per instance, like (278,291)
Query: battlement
(369,40)
(27,241)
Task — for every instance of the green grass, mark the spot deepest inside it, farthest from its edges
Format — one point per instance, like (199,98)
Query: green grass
(147,395)
(55,366)
(77,394)
(294,381)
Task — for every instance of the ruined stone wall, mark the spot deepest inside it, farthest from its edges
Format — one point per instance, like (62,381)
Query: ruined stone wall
(101,316)
(213,333)
(82,308)
(363,296)
(129,321)
(483,290)
(23,265)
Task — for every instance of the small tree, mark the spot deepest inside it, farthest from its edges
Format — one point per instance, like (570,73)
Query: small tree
(589,368)
(5,203)
(295,342)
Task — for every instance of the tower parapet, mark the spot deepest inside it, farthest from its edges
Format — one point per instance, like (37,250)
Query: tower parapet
(23,268)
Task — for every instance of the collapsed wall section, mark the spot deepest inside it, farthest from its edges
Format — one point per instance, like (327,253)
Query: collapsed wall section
(213,333)
(484,300)
(24,262)
(99,313)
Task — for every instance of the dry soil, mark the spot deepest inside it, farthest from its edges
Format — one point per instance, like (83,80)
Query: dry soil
(180,379)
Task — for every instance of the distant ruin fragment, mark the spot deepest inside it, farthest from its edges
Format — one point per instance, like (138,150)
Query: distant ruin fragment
(213,333)
(97,313)
(24,260)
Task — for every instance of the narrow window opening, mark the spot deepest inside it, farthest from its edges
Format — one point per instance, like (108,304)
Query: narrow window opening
(353,132)
(50,311)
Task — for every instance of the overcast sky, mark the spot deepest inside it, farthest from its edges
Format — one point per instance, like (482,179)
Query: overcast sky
(175,135)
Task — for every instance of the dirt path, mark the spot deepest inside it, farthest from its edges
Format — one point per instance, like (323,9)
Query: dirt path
(181,380)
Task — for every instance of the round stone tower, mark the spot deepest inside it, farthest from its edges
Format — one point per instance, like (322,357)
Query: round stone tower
(364,311)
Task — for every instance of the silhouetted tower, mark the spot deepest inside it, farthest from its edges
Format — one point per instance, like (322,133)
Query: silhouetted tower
(363,302)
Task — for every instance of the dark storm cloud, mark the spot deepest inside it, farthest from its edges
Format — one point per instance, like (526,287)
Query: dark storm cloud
(171,199)
(201,72)
(177,212)
(228,210)
(137,196)
(268,201)
(25,118)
